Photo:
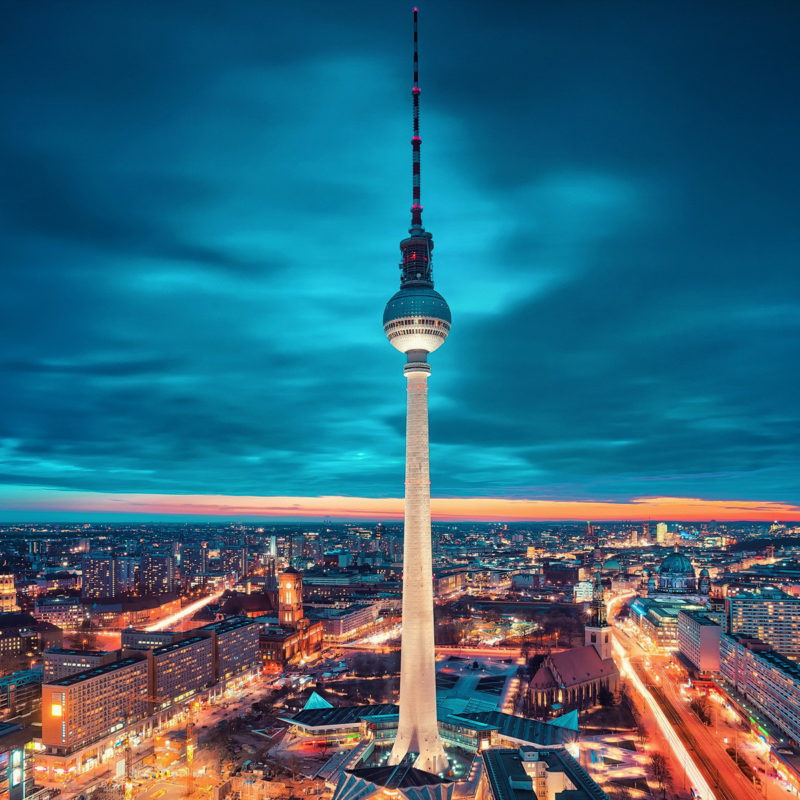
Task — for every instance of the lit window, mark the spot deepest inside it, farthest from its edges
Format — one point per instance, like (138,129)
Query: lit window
(55,709)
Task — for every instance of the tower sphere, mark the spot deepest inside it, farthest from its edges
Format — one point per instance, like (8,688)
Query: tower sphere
(416,318)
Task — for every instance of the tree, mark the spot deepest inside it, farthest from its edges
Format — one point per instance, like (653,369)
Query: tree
(659,769)
(702,708)
(605,697)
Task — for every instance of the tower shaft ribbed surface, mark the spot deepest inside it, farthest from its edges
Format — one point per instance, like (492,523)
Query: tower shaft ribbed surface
(418,731)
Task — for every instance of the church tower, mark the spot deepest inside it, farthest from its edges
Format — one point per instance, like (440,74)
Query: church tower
(598,631)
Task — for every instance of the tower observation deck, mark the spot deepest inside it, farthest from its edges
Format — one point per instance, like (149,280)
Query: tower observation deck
(416,322)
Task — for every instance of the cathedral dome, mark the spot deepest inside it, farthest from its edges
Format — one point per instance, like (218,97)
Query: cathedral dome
(676,574)
(676,564)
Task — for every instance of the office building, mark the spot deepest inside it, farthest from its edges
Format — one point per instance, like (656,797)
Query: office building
(234,561)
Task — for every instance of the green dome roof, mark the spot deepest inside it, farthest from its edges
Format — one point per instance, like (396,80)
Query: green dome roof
(676,564)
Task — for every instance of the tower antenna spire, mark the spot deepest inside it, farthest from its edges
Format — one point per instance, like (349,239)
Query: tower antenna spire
(416,141)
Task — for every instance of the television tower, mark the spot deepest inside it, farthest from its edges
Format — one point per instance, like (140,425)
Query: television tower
(416,321)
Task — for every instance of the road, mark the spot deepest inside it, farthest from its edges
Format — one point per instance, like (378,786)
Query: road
(700,748)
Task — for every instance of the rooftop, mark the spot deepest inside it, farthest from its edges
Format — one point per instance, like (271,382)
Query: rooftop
(225,625)
(344,715)
(96,672)
(66,651)
(168,648)
(522,729)
(400,776)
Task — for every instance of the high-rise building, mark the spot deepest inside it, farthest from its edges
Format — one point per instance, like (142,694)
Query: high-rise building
(127,577)
(194,561)
(8,594)
(768,614)
(157,573)
(661,532)
(234,559)
(416,322)
(99,576)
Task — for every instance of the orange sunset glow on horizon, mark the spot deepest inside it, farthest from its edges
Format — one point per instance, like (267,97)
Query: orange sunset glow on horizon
(158,506)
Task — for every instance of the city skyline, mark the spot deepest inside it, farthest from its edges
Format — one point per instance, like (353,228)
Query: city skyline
(611,190)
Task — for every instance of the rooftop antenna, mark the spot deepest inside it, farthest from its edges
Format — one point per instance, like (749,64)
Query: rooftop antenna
(417,249)
(416,142)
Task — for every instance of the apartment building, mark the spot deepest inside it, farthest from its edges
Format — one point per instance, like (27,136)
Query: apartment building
(87,706)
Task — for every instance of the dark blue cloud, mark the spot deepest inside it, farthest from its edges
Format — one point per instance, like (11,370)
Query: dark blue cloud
(199,229)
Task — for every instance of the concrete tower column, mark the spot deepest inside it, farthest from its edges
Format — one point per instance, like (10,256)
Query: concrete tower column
(418,731)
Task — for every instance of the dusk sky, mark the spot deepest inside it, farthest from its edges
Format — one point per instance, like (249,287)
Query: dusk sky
(199,227)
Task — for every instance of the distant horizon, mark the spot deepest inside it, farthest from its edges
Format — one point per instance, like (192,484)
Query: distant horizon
(44,505)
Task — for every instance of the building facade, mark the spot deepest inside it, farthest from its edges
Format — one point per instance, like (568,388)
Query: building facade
(61,662)
(698,640)
(16,761)
(768,614)
(235,646)
(68,613)
(157,573)
(768,680)
(82,708)
(8,594)
(180,670)
(99,576)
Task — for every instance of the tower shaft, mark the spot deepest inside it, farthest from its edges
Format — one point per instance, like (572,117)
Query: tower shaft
(417,730)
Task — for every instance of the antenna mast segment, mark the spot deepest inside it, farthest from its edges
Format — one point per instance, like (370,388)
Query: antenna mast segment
(416,141)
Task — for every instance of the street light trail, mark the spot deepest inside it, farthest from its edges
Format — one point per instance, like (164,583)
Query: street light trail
(192,608)
(678,748)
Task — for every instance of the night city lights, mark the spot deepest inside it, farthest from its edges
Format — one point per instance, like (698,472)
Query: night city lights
(243,557)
